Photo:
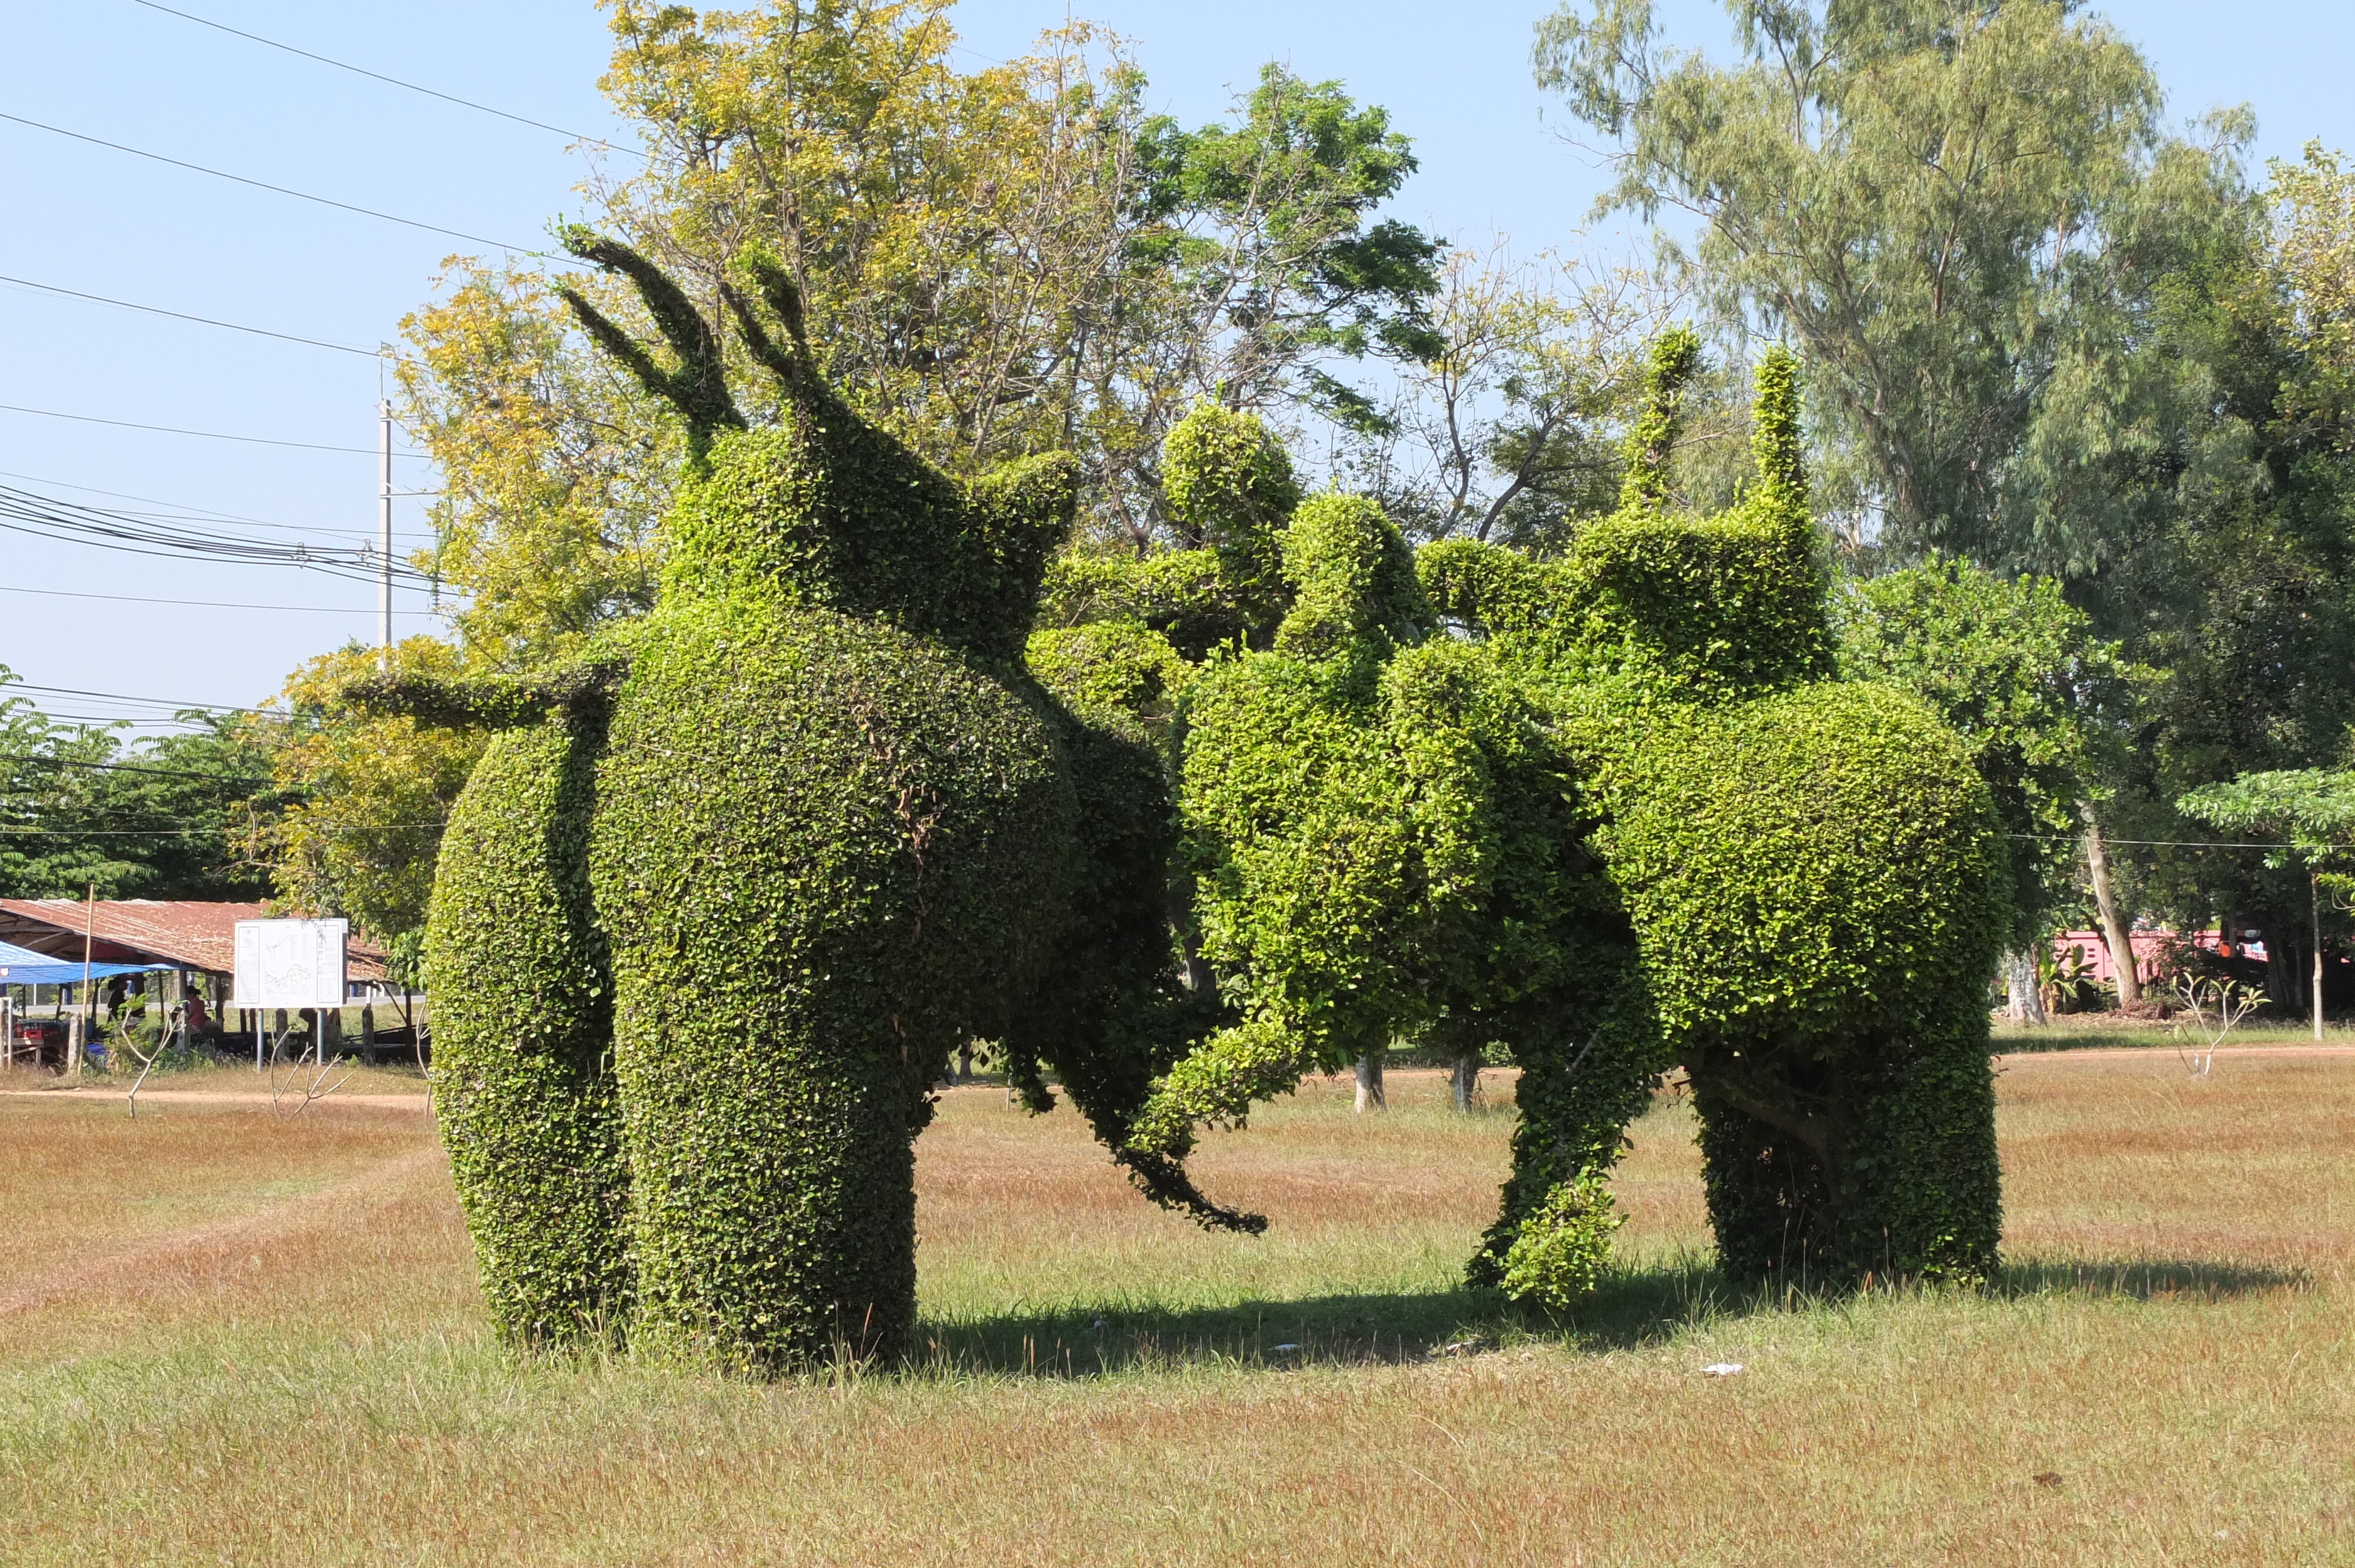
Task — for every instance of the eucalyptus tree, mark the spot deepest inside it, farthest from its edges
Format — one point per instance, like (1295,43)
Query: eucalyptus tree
(1958,212)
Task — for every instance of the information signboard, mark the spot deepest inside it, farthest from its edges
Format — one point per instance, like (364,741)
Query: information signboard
(290,963)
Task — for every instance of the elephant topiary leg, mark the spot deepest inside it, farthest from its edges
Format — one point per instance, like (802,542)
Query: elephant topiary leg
(522,1039)
(1927,1200)
(774,1176)
(824,854)
(1767,1201)
(1898,1179)
(1576,1097)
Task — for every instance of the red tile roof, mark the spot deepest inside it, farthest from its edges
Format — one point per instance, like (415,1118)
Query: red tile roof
(192,934)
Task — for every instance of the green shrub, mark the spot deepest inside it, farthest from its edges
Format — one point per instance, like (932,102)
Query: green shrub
(723,898)
(1613,810)
(517,963)
(1562,1247)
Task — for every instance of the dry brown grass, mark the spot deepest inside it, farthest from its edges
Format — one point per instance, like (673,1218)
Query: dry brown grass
(307,1379)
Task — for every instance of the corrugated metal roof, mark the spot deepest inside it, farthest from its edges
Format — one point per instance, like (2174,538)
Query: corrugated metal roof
(198,936)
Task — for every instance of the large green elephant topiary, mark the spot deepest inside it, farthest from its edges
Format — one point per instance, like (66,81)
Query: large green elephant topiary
(723,895)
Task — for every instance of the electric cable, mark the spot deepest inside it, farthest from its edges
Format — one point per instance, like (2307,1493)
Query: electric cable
(203,513)
(210,603)
(2149,844)
(183,316)
(265,186)
(128,767)
(393,80)
(119,721)
(6,687)
(73,523)
(191,829)
(207,435)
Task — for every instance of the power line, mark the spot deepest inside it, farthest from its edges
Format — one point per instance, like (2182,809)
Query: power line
(204,603)
(120,697)
(127,767)
(117,721)
(2150,843)
(183,316)
(265,186)
(183,833)
(183,510)
(207,435)
(393,81)
(75,524)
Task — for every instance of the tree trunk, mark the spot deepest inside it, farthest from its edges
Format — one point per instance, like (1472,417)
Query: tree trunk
(1464,1081)
(1370,1081)
(2118,933)
(2314,916)
(2019,979)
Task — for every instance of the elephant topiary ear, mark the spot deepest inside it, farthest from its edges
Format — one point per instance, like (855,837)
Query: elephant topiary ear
(756,269)
(695,382)
(1230,483)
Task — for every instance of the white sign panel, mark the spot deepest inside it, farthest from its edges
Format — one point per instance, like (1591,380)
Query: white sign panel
(290,963)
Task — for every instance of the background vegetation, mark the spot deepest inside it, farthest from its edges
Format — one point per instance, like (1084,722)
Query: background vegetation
(2088,370)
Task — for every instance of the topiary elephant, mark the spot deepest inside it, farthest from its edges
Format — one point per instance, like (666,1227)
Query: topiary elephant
(723,895)
(1614,811)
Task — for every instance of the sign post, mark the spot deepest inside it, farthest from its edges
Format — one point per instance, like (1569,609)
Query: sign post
(293,964)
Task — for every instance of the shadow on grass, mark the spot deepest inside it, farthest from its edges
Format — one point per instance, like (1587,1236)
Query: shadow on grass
(2143,1279)
(1627,1310)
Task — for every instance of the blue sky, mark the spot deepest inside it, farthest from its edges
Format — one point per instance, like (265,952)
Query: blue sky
(85,217)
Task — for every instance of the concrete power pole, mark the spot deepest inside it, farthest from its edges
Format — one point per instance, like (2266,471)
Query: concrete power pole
(384,534)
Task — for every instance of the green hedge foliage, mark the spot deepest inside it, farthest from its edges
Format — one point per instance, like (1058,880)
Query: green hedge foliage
(877,776)
(1613,812)
(523,1073)
(826,852)
(722,900)
(1819,889)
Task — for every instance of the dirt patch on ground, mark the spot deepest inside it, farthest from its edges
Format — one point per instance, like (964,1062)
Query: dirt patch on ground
(220,1098)
(126,1265)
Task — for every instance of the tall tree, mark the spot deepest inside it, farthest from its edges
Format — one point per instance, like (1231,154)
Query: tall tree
(366,794)
(1958,211)
(2238,580)
(995,263)
(554,465)
(2042,704)
(1020,258)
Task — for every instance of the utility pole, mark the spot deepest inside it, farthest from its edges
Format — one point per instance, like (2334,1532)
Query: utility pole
(384,534)
(77,1032)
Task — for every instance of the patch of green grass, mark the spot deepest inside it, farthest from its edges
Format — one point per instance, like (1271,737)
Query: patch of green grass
(1103,1383)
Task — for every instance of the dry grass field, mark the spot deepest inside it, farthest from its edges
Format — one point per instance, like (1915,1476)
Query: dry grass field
(231,1337)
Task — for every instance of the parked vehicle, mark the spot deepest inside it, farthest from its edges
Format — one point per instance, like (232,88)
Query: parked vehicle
(38,1042)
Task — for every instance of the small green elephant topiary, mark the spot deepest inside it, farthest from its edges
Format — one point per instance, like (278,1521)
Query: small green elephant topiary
(1613,812)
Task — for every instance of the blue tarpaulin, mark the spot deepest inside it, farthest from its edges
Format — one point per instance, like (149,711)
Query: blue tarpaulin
(22,966)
